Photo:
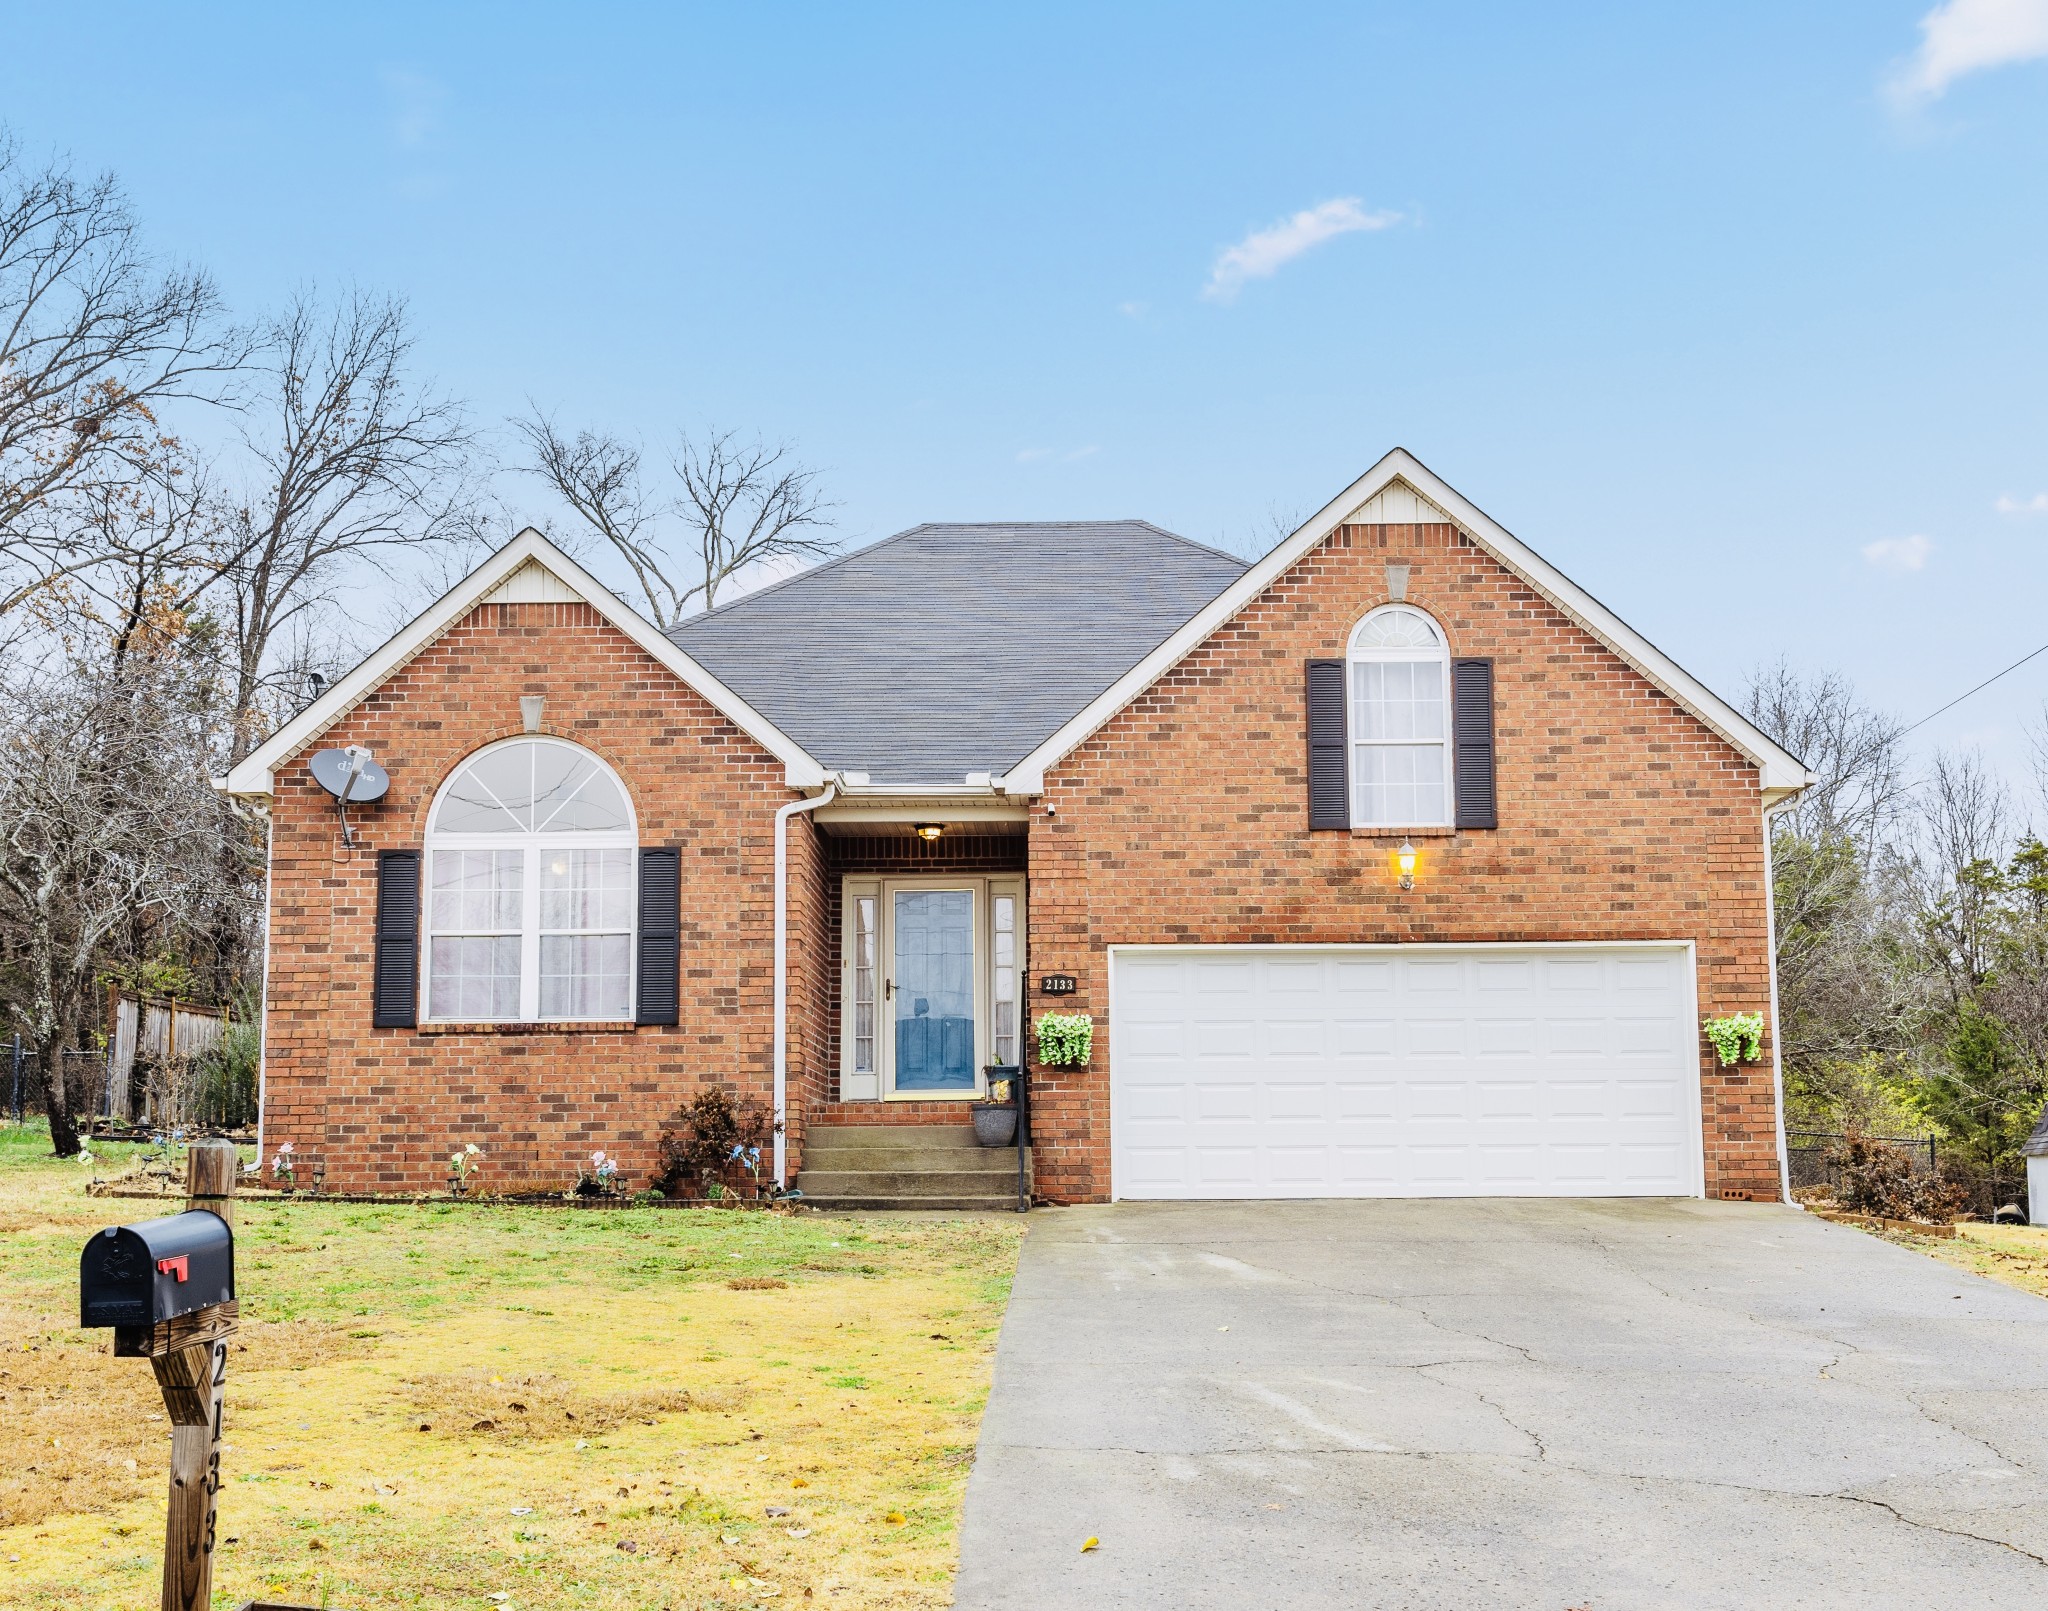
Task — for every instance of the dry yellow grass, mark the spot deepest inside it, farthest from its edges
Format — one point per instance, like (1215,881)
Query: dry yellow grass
(2014,1254)
(434,1406)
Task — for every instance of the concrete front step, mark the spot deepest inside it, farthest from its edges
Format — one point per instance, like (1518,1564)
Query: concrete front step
(905,1166)
(890,1160)
(916,1137)
(864,1205)
(907,1182)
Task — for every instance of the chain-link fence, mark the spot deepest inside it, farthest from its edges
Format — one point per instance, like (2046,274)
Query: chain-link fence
(214,1092)
(1807,1153)
(1988,1193)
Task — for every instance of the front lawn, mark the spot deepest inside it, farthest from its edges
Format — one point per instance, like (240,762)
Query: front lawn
(514,1407)
(2014,1254)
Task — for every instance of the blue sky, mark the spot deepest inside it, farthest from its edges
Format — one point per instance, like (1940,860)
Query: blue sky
(1736,312)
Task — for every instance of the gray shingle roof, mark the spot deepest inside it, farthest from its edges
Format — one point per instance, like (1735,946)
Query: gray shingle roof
(2036,1145)
(950,649)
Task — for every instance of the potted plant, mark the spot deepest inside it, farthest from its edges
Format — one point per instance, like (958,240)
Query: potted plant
(995,1121)
(1065,1039)
(1738,1038)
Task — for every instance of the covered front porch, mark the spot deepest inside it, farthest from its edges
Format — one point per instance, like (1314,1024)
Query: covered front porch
(919,928)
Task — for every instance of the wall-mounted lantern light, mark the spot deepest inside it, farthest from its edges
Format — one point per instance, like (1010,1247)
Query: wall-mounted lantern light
(928,831)
(1404,858)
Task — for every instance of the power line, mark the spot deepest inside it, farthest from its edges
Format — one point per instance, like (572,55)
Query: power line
(1986,683)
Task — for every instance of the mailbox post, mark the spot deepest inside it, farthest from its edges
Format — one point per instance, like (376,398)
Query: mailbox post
(167,1287)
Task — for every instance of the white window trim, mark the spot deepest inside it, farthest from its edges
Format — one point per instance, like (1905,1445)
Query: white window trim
(1354,710)
(531,846)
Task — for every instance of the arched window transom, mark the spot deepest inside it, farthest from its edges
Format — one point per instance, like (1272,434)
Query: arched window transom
(1400,671)
(530,888)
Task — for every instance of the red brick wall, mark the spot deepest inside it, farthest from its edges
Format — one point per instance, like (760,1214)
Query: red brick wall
(385,1107)
(1185,819)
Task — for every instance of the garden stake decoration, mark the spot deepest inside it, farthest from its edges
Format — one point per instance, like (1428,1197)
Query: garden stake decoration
(460,1165)
(179,1315)
(1738,1038)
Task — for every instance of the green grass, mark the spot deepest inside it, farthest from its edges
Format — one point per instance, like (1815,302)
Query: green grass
(556,1358)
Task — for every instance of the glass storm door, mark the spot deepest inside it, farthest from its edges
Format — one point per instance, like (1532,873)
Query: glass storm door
(931,991)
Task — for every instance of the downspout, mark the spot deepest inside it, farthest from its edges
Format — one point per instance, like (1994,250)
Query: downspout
(1777,1038)
(782,816)
(263,995)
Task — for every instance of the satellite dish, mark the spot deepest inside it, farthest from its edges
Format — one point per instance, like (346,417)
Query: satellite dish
(349,775)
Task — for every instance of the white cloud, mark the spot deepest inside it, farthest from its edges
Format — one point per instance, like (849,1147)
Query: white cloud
(1899,553)
(1262,253)
(1967,36)
(2036,505)
(415,103)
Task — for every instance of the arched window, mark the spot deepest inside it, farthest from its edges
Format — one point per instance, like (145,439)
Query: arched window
(1400,721)
(530,888)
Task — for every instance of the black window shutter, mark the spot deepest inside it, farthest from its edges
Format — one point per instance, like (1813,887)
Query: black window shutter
(661,927)
(395,981)
(1472,743)
(1329,794)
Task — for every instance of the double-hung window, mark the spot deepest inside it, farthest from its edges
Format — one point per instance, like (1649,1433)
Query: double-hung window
(530,888)
(1400,705)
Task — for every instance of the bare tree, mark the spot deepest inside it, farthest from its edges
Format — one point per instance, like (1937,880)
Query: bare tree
(1855,752)
(106,818)
(1845,1006)
(1955,872)
(352,461)
(738,504)
(161,545)
(747,504)
(95,338)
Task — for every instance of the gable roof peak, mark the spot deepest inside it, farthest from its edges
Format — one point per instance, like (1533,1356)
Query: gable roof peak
(529,563)
(1780,773)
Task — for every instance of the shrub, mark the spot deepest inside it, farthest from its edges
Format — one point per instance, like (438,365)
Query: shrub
(224,1076)
(709,1140)
(1878,1178)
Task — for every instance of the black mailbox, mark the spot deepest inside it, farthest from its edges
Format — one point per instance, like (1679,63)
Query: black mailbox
(138,1275)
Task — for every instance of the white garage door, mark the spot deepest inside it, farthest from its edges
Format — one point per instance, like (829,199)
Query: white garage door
(1404,1071)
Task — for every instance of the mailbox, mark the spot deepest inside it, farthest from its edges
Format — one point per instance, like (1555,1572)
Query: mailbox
(139,1275)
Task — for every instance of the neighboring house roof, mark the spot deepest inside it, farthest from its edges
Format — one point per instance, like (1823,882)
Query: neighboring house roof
(2036,1145)
(951,649)
(1389,492)
(529,569)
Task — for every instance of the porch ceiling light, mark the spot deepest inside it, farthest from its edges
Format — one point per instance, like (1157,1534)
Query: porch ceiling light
(1404,858)
(929,831)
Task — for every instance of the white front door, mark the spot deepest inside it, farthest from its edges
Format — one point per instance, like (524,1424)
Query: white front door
(1404,1071)
(932,985)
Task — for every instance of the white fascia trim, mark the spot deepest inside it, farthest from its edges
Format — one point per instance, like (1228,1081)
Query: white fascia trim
(1782,774)
(258,774)
(867,808)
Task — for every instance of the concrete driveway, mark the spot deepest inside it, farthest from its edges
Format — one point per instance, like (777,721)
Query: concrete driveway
(1509,1405)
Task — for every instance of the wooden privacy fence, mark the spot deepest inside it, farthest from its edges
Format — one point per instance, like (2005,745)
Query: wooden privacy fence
(152,1044)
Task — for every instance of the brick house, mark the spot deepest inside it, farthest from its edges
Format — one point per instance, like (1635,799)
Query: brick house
(1393,864)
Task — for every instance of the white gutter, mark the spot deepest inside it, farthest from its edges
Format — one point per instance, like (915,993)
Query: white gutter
(1777,1037)
(782,816)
